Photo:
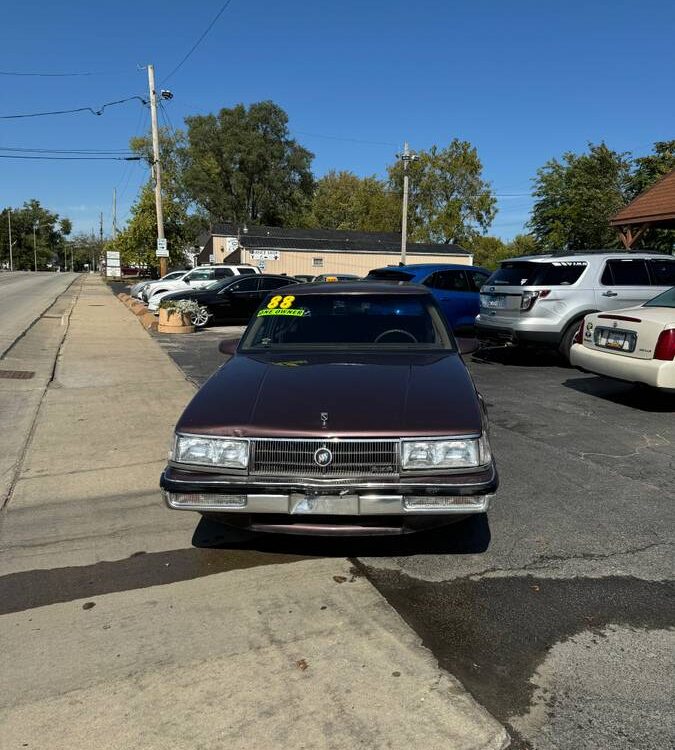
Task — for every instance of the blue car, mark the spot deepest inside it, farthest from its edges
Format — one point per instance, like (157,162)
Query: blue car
(455,287)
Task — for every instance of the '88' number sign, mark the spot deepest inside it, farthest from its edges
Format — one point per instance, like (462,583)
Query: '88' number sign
(283,303)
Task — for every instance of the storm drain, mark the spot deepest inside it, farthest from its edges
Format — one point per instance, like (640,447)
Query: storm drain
(16,374)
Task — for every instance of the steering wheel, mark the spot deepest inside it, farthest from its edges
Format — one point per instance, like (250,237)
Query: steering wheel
(396,330)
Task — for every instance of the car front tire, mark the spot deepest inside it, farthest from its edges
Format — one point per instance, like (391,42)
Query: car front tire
(200,319)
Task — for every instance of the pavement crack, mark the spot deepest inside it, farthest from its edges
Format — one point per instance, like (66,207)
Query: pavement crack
(545,562)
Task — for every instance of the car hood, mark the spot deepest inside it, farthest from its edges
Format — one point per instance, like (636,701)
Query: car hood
(383,396)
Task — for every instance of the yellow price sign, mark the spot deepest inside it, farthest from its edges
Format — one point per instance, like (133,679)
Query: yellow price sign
(283,303)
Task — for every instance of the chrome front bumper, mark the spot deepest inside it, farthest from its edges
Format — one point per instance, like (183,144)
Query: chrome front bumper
(451,494)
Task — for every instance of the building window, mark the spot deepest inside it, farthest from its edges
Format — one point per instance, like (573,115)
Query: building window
(317,262)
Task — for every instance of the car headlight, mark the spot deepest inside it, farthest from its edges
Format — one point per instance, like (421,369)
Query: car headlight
(229,453)
(445,454)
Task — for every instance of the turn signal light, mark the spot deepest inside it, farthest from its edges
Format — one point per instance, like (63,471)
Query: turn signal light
(579,335)
(665,346)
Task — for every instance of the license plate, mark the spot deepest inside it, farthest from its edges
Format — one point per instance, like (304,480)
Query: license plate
(619,340)
(328,505)
(492,301)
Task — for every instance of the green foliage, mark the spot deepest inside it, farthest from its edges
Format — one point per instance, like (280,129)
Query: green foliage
(576,197)
(449,200)
(342,200)
(242,165)
(50,237)
(489,251)
(84,249)
(524,244)
(649,169)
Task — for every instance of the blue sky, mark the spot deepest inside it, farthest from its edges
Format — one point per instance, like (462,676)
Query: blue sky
(523,80)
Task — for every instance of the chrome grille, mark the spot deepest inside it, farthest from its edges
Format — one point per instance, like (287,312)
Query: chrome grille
(351,458)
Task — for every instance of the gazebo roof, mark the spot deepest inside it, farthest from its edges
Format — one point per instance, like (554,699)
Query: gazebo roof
(655,206)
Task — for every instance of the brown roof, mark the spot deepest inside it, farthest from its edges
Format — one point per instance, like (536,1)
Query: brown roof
(656,204)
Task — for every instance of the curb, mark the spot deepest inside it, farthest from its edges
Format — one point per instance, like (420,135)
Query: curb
(144,316)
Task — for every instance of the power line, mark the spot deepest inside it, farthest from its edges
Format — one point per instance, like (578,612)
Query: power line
(198,42)
(21,149)
(342,138)
(43,75)
(78,109)
(72,158)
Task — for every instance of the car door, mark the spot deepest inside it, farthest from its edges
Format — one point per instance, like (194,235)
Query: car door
(239,300)
(624,282)
(455,295)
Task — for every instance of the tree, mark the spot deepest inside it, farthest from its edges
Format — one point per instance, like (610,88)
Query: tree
(242,165)
(649,169)
(576,197)
(449,199)
(84,249)
(524,244)
(50,235)
(342,200)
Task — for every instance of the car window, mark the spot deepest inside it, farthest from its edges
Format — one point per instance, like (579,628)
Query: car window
(330,321)
(385,274)
(628,272)
(249,284)
(201,274)
(662,272)
(222,273)
(173,275)
(665,299)
(449,281)
(528,273)
(477,279)
(266,284)
(245,270)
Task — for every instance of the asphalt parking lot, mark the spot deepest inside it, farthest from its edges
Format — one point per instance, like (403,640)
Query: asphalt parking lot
(557,614)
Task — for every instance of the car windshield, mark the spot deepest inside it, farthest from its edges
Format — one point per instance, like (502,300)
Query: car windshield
(347,321)
(527,273)
(667,299)
(386,275)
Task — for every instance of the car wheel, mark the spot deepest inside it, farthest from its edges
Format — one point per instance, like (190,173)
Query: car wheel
(565,346)
(200,318)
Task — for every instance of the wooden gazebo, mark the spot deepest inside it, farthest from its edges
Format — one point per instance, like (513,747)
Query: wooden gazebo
(653,208)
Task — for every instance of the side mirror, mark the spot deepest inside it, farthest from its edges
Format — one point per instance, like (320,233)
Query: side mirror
(187,281)
(467,346)
(228,346)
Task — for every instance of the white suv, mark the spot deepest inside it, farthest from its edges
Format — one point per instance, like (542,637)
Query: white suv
(197,278)
(541,299)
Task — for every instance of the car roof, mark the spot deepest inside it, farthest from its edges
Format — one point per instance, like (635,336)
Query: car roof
(586,255)
(359,287)
(420,267)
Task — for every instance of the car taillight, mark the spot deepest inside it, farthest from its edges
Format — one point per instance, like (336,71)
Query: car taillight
(665,346)
(579,335)
(529,298)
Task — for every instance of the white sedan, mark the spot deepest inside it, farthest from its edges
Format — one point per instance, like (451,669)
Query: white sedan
(636,344)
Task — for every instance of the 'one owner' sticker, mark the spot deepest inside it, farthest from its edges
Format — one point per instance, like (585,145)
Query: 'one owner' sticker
(280,305)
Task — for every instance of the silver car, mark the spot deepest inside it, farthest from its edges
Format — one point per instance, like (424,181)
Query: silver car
(541,299)
(137,289)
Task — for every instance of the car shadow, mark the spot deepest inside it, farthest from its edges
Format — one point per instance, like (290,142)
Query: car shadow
(632,395)
(469,537)
(512,356)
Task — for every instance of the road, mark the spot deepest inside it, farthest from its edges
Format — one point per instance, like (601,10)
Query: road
(556,615)
(23,297)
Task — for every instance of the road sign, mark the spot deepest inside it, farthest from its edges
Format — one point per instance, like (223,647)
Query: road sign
(162,248)
(212,258)
(265,254)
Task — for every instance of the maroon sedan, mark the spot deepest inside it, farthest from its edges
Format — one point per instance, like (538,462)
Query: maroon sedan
(345,409)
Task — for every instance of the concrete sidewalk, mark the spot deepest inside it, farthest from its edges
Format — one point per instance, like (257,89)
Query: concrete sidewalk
(276,652)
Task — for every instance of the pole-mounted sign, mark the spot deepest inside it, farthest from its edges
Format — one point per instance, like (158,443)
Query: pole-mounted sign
(162,248)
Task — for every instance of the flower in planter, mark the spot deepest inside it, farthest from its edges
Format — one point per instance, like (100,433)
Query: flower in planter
(187,307)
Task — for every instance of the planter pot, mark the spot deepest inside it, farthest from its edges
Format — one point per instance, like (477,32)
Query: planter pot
(171,321)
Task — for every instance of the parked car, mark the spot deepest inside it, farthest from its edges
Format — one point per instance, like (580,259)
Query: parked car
(455,287)
(336,277)
(636,344)
(196,278)
(228,300)
(333,417)
(542,299)
(137,289)
(304,277)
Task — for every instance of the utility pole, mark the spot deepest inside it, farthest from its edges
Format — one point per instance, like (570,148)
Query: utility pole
(9,227)
(163,265)
(36,224)
(114,214)
(405,157)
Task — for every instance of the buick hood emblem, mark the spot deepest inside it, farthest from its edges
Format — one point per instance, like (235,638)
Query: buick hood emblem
(323,457)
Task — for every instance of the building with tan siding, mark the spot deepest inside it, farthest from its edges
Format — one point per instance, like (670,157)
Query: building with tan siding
(317,251)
